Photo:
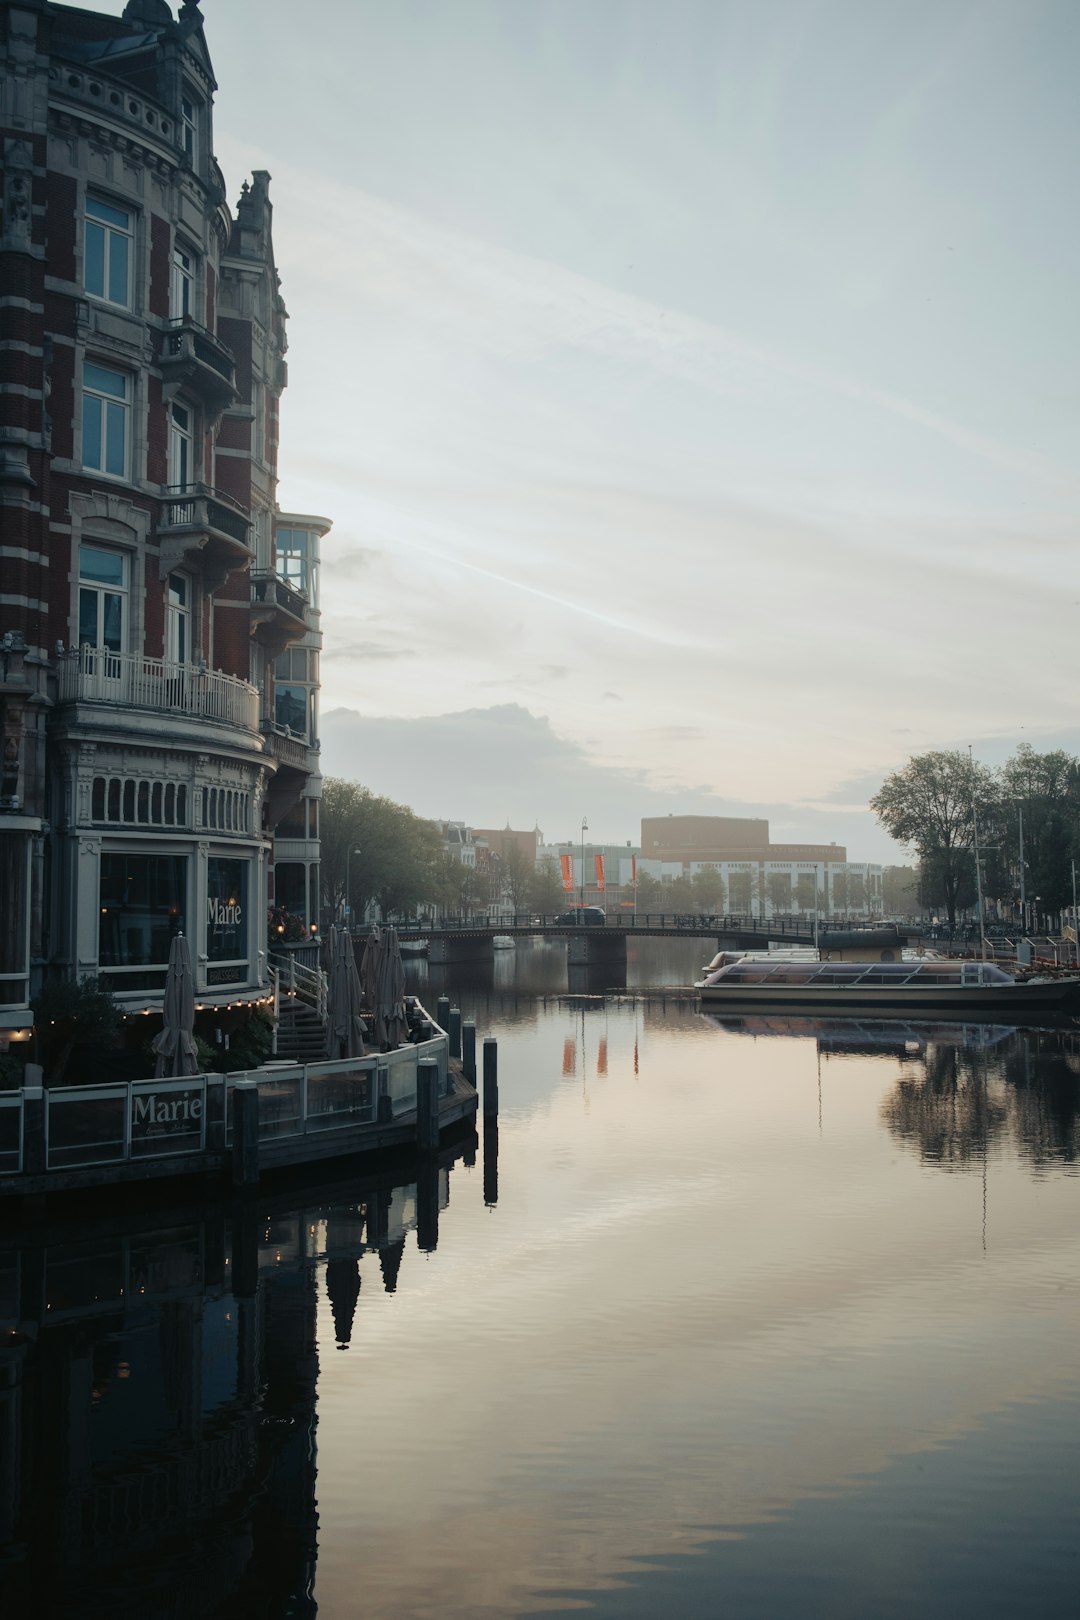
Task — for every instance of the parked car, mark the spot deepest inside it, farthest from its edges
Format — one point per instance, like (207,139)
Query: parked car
(582,917)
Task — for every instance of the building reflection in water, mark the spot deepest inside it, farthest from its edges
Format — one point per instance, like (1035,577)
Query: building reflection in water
(157,1395)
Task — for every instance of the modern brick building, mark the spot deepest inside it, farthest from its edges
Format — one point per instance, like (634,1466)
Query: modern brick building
(158,614)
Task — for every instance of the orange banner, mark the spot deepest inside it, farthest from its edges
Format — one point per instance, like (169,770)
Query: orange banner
(567,873)
(633,869)
(599,859)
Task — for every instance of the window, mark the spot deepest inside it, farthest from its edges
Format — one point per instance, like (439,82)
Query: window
(103,591)
(226,912)
(181,446)
(296,561)
(297,664)
(189,120)
(106,409)
(108,252)
(182,285)
(290,709)
(141,908)
(178,620)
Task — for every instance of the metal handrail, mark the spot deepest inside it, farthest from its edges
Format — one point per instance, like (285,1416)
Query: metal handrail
(309,985)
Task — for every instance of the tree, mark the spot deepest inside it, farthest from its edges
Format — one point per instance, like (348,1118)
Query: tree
(740,891)
(900,891)
(708,884)
(649,892)
(546,893)
(77,1026)
(518,873)
(778,887)
(806,891)
(1045,790)
(389,853)
(681,895)
(930,806)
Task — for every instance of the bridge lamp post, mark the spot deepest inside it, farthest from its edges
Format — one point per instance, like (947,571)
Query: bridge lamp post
(349,853)
(581,891)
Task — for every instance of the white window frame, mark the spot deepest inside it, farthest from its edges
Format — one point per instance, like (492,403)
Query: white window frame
(101,589)
(190,107)
(182,283)
(116,239)
(178,618)
(114,412)
(181,448)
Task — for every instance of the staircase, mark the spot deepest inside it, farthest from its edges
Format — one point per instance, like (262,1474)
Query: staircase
(300,1011)
(301,1033)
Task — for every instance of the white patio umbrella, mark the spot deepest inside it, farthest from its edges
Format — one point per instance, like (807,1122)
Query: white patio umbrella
(175,1046)
(345,1029)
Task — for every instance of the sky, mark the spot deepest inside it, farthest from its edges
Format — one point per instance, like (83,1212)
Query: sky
(693,388)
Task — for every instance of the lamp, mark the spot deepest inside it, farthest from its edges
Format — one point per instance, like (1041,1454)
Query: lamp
(581,891)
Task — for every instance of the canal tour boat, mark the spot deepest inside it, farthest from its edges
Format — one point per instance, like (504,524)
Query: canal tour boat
(898,987)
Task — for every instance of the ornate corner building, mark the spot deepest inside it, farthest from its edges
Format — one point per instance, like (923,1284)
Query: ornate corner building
(159,625)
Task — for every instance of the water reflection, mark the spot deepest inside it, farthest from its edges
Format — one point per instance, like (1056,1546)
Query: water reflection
(962,1086)
(158,1395)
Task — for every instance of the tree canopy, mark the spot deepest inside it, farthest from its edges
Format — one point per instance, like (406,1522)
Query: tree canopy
(386,852)
(935,803)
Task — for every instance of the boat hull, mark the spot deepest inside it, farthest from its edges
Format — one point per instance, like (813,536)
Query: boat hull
(1011,1002)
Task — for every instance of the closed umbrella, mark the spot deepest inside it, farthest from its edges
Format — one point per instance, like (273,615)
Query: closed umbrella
(175,1046)
(344,1022)
(392,990)
(373,956)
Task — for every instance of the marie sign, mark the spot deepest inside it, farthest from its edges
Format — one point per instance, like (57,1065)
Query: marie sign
(168,1117)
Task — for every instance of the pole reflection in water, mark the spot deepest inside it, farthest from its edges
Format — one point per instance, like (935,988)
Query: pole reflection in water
(158,1379)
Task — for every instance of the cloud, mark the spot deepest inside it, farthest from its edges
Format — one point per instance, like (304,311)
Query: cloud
(504,765)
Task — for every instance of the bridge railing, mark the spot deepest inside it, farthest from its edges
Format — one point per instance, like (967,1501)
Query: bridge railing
(530,922)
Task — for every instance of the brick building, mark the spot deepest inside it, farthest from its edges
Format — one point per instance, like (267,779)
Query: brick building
(158,614)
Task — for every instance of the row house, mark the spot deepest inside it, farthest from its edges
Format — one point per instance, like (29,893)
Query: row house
(159,627)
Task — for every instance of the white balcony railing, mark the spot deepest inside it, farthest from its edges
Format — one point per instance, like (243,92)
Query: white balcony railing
(126,680)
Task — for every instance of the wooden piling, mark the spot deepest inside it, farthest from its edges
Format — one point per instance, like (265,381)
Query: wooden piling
(427,1107)
(442,1012)
(33,1112)
(491,1077)
(245,1133)
(454,1032)
(468,1050)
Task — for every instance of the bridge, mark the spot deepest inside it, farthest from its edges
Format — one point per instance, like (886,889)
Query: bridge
(452,939)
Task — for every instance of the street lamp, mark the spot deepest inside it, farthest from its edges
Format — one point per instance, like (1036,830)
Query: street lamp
(581,891)
(349,853)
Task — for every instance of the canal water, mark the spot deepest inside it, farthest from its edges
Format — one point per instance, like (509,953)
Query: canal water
(750,1318)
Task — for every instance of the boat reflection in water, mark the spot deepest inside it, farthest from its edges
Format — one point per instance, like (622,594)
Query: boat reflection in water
(157,1394)
(870,1036)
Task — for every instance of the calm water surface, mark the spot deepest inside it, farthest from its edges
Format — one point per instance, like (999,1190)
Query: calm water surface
(725,1319)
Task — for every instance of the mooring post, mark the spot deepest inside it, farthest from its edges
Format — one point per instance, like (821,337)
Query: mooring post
(468,1050)
(455,1032)
(491,1077)
(442,1012)
(491,1161)
(427,1107)
(33,1113)
(245,1133)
